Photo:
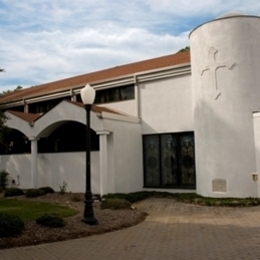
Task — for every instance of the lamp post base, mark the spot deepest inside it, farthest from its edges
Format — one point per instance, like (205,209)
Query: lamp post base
(88,217)
(90,221)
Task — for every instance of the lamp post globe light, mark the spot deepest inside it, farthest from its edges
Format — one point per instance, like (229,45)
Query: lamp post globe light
(88,96)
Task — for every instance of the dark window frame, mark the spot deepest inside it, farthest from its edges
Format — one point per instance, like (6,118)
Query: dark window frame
(15,142)
(68,138)
(179,184)
(116,94)
(46,105)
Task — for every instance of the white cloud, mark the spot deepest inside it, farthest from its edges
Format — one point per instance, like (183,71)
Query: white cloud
(191,8)
(46,40)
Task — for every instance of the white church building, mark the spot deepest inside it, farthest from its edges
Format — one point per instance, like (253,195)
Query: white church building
(185,122)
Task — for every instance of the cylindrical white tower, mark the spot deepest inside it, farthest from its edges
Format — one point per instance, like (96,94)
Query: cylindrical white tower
(225,58)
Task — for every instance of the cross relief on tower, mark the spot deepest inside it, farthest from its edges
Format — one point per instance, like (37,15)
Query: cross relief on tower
(212,67)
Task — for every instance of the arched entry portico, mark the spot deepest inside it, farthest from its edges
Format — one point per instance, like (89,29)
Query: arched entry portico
(54,167)
(116,167)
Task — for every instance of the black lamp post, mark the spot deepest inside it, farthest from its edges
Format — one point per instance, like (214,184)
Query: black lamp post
(87,97)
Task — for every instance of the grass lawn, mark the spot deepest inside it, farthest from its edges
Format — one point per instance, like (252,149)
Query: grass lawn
(31,210)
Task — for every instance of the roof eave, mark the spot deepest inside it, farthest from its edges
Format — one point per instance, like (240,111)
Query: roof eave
(132,78)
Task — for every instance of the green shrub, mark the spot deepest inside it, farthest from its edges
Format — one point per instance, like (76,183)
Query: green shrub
(115,204)
(3,179)
(50,220)
(47,189)
(138,196)
(131,197)
(10,225)
(12,192)
(32,193)
(63,187)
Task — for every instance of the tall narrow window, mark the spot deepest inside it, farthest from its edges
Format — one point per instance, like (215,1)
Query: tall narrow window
(169,169)
(187,160)
(152,161)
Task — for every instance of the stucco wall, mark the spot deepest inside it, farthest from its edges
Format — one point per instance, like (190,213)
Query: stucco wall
(53,169)
(225,77)
(166,105)
(128,107)
(19,168)
(124,157)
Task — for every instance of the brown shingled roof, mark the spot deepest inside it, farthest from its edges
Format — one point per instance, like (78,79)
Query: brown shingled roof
(29,117)
(128,69)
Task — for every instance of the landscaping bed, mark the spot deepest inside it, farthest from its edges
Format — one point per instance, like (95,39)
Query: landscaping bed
(108,220)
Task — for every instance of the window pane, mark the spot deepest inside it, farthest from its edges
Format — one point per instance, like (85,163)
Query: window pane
(112,95)
(152,161)
(169,160)
(127,93)
(115,94)
(187,160)
(100,97)
(15,142)
(59,141)
(45,106)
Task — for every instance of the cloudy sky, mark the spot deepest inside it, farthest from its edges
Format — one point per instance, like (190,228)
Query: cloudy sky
(46,40)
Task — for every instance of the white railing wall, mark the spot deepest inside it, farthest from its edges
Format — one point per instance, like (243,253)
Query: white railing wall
(53,169)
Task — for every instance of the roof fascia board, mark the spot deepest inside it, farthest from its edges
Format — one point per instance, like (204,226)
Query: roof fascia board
(164,74)
(144,76)
(47,97)
(111,83)
(12,104)
(117,81)
(36,99)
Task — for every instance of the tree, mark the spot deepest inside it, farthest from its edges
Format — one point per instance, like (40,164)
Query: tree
(187,48)
(10,91)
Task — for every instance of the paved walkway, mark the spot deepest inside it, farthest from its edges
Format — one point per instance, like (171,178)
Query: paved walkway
(171,231)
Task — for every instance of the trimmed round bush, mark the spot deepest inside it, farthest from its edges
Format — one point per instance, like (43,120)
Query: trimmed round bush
(115,204)
(12,192)
(32,193)
(10,225)
(50,220)
(47,189)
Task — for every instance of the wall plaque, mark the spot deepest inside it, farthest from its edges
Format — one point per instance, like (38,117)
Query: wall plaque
(219,185)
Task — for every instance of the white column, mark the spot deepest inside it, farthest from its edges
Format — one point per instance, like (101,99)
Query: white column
(103,161)
(34,152)
(138,99)
(73,96)
(26,108)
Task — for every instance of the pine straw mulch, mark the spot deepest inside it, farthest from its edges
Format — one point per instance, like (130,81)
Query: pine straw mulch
(108,220)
